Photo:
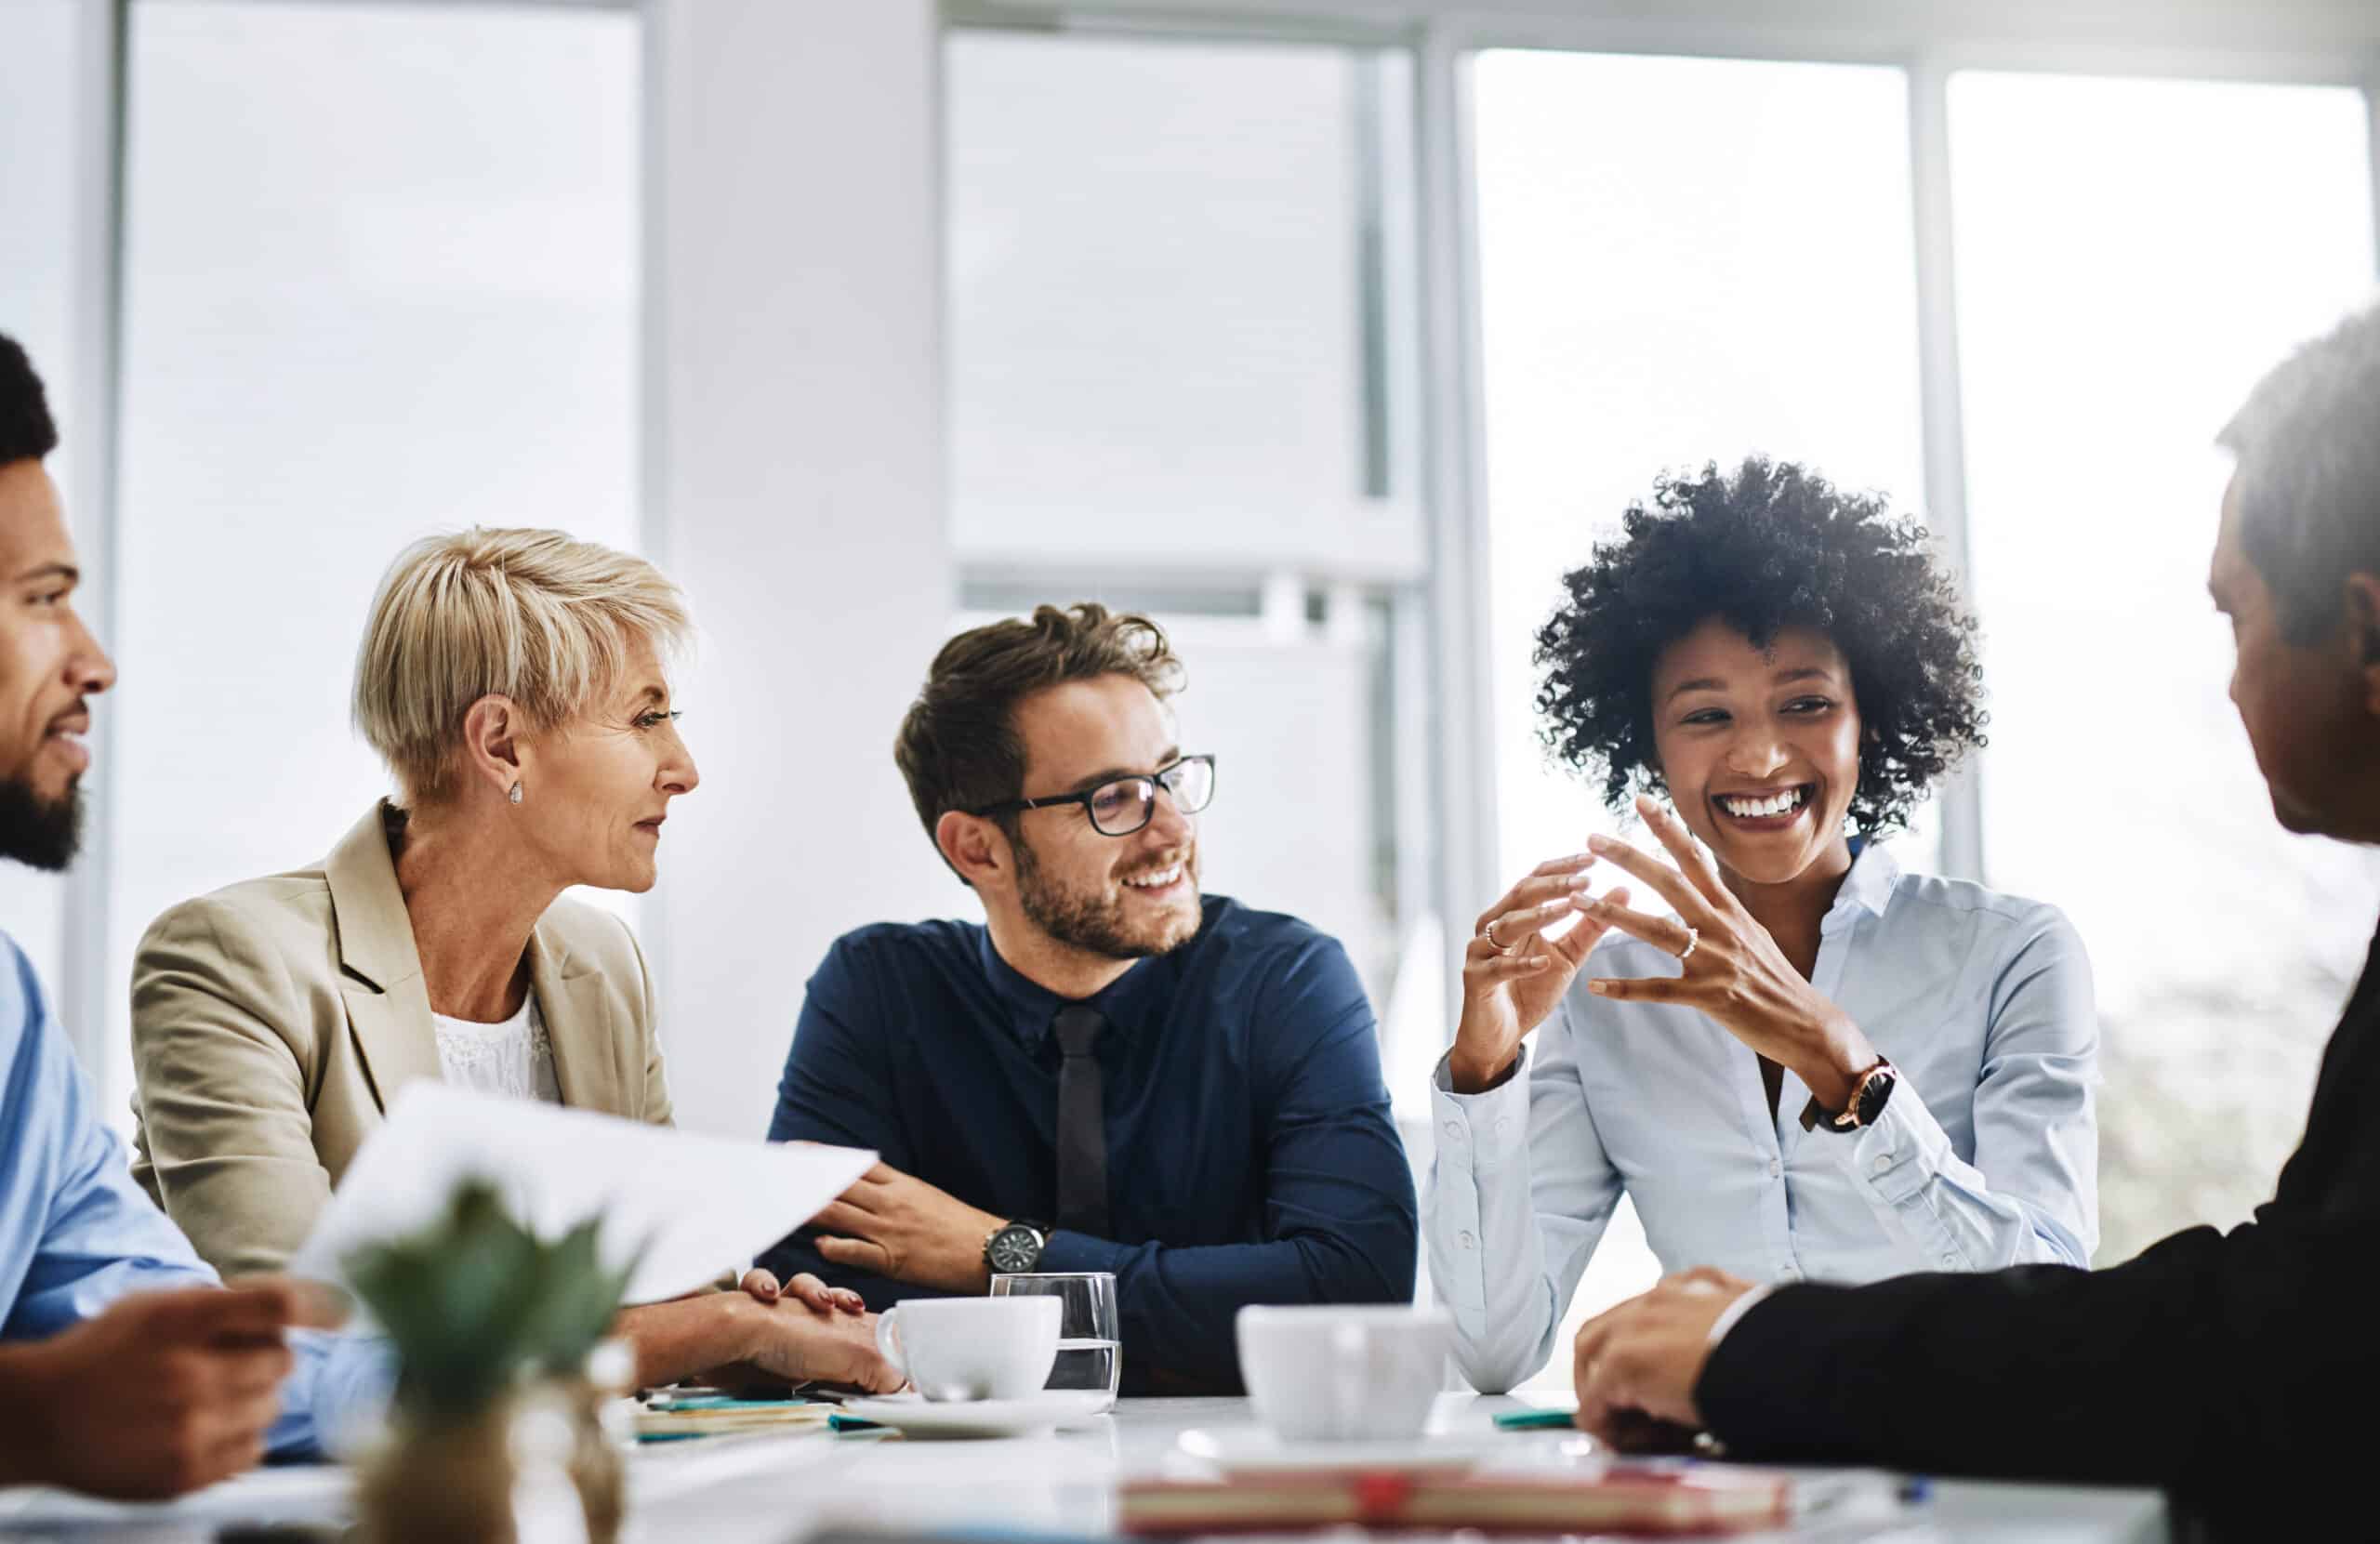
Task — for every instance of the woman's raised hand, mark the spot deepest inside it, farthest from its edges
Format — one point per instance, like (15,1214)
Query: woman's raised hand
(1732,969)
(1512,973)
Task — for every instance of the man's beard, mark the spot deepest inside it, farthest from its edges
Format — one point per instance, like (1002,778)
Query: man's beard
(41,832)
(1093,923)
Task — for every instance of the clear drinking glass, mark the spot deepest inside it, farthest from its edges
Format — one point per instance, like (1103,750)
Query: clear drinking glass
(1091,1351)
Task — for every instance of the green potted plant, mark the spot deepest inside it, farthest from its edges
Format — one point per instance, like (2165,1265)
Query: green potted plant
(494,1328)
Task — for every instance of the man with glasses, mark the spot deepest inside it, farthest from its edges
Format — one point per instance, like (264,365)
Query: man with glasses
(1111,1073)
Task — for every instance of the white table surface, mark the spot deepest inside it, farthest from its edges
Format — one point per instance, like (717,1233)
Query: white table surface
(774,1488)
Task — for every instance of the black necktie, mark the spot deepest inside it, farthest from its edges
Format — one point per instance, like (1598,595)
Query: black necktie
(1083,1123)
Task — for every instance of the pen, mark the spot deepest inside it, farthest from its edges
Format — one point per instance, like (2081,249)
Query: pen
(1534,1421)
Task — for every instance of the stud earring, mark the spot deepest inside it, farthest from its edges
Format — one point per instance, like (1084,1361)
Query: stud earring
(515,794)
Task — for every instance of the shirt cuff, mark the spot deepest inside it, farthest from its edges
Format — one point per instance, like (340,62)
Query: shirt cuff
(1734,1311)
(1481,1130)
(337,1397)
(1898,1156)
(1072,1253)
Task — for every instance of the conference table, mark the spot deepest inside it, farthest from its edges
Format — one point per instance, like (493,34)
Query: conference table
(777,1488)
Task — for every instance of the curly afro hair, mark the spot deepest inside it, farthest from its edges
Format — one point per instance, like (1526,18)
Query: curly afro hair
(1775,545)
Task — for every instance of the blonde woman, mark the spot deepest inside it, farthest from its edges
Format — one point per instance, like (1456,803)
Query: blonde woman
(513,682)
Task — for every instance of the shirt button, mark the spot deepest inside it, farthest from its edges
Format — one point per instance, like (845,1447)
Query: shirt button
(1503,1124)
(1454,1129)
(1950,1263)
(1776,1167)
(1883,1162)
(1466,1240)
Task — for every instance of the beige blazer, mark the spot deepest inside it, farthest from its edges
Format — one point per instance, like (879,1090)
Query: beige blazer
(273,1021)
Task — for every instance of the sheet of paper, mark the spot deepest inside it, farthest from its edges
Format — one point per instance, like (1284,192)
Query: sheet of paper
(695,1205)
(302,1494)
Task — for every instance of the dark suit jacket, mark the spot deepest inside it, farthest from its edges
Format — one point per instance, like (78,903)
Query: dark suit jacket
(2239,1371)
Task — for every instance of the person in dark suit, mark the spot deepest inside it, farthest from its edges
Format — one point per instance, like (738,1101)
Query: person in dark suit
(2234,1370)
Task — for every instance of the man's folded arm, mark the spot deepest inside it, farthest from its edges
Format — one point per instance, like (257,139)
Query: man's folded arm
(1341,1221)
(834,1090)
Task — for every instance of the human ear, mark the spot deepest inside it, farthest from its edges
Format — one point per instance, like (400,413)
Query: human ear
(975,847)
(491,742)
(2363,634)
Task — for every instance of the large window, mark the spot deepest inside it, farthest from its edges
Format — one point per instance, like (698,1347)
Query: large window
(381,280)
(2131,254)
(1180,290)
(1740,282)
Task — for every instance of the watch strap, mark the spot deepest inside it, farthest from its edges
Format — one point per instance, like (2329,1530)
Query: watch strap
(1857,1113)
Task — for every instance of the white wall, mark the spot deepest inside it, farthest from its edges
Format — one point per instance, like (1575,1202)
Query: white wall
(798,481)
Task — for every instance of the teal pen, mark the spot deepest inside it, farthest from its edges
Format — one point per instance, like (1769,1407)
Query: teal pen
(1534,1421)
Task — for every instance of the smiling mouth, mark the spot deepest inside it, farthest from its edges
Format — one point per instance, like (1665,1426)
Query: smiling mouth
(69,732)
(1159,880)
(1768,810)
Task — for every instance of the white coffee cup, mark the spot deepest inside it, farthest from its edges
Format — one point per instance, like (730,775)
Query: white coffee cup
(972,1348)
(1325,1373)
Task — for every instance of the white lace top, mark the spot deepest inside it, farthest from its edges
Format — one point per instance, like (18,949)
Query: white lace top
(514,1058)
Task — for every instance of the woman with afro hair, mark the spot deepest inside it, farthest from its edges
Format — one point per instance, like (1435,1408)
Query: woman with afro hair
(1820,1066)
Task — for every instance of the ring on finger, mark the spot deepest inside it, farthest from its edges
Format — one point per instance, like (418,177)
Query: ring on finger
(1488,932)
(1693,942)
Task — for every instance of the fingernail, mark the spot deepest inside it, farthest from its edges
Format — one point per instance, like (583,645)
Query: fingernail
(1596,987)
(1600,844)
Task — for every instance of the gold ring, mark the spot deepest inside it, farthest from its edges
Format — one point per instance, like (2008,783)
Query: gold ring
(1488,932)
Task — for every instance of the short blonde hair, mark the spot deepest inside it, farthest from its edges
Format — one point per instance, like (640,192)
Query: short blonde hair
(537,616)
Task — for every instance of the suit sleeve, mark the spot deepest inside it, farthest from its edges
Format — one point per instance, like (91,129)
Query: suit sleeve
(657,1110)
(2210,1359)
(216,1019)
(1341,1223)
(837,1088)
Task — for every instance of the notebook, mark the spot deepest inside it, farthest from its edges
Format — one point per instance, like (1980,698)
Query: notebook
(1618,1499)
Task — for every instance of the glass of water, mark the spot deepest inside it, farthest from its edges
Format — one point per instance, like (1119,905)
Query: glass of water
(1091,1353)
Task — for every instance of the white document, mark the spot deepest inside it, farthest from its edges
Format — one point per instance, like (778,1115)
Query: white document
(689,1207)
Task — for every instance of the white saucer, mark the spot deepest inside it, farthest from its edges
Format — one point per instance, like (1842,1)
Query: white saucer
(1239,1450)
(917,1416)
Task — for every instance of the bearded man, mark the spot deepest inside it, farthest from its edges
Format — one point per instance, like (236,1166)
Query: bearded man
(1111,1073)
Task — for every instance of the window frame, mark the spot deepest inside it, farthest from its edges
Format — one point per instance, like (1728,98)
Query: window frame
(2292,42)
(2301,42)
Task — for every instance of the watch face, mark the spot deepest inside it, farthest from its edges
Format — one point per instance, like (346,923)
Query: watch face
(1015,1248)
(1872,1097)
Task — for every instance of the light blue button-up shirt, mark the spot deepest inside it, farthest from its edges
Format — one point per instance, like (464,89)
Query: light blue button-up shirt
(1985,1155)
(76,1233)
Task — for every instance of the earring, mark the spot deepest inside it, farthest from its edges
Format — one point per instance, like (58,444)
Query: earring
(515,794)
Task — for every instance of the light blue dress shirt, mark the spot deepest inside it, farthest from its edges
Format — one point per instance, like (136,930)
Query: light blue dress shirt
(76,1233)
(1985,1155)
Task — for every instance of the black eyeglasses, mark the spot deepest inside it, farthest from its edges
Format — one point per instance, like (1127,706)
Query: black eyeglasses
(1123,806)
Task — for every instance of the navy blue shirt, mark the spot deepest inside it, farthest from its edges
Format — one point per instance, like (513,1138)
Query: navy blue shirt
(1250,1155)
